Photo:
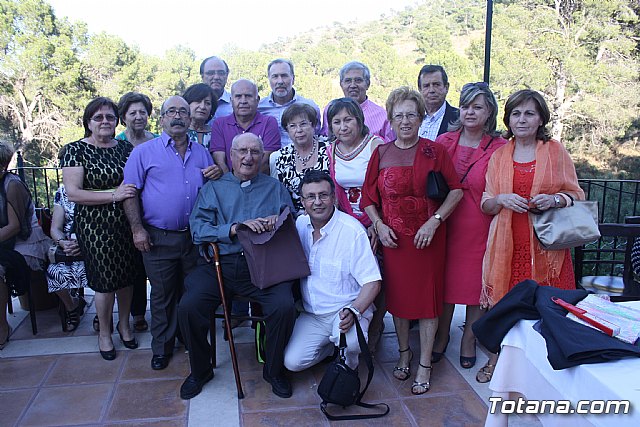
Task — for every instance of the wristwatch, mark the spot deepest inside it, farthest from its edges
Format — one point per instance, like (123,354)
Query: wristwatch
(355,311)
(438,217)
(556,198)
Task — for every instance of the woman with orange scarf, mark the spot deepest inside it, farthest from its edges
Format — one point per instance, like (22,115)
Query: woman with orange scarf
(533,172)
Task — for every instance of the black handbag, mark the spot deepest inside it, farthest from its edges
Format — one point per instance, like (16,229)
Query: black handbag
(340,384)
(437,187)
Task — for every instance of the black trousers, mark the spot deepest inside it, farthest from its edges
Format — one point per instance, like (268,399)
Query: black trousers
(202,295)
(170,259)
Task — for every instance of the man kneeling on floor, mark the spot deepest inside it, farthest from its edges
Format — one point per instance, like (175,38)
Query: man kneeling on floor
(243,196)
(344,273)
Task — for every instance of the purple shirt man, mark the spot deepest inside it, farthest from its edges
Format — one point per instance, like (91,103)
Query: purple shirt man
(224,129)
(245,118)
(168,172)
(159,172)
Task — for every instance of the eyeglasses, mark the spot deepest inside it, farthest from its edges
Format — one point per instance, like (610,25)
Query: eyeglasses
(479,85)
(399,116)
(172,112)
(310,198)
(215,73)
(244,151)
(357,80)
(99,118)
(295,126)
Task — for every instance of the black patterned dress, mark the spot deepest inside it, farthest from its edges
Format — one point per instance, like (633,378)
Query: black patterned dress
(285,169)
(111,260)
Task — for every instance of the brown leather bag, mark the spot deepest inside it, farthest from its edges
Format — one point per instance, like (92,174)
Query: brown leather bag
(274,256)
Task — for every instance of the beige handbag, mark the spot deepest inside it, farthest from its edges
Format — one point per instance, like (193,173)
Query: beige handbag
(567,227)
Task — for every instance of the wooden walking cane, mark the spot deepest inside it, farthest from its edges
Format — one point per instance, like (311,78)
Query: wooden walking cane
(227,323)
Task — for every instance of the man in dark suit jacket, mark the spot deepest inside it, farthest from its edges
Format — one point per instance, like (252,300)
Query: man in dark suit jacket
(433,83)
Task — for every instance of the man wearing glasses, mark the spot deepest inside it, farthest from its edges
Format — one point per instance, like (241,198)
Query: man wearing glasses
(245,118)
(433,83)
(355,79)
(344,280)
(167,172)
(244,196)
(215,72)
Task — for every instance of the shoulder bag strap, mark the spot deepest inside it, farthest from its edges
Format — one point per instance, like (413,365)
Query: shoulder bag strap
(364,350)
(471,165)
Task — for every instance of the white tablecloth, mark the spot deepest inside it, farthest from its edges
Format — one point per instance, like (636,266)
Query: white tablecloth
(523,368)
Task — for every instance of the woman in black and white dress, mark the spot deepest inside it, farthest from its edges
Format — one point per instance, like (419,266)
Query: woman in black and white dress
(65,278)
(307,151)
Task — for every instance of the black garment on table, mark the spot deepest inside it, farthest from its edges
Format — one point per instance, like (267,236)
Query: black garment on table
(568,343)
(17,272)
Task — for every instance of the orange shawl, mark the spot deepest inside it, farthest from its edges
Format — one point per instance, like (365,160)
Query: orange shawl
(554,173)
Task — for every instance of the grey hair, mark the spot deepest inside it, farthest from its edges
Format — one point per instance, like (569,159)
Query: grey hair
(281,61)
(471,91)
(355,65)
(255,137)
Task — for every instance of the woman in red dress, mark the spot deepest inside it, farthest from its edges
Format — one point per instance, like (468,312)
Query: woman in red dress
(410,227)
(532,171)
(470,143)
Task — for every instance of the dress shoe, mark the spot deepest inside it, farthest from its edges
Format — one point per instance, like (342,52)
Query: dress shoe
(280,385)
(108,355)
(160,361)
(191,387)
(131,344)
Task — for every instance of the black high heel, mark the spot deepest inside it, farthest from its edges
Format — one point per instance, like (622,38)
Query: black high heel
(73,316)
(437,356)
(131,344)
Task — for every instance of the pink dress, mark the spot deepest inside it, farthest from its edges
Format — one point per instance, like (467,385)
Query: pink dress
(467,226)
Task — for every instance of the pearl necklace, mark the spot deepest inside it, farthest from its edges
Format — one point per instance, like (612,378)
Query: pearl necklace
(304,160)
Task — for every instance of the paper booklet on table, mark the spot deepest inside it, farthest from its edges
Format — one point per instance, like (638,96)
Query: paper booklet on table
(626,318)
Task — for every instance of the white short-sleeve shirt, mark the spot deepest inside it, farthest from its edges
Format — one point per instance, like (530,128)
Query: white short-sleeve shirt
(341,262)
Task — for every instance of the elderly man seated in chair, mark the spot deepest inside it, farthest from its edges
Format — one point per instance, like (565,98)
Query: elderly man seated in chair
(243,196)
(344,279)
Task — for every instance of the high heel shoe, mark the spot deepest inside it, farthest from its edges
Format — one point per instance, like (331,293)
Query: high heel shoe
(468,362)
(403,373)
(423,387)
(131,344)
(436,356)
(72,317)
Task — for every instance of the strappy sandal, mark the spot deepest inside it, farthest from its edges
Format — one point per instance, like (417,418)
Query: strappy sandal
(485,373)
(73,316)
(423,387)
(403,373)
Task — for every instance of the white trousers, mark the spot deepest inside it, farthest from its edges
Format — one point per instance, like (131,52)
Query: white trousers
(315,337)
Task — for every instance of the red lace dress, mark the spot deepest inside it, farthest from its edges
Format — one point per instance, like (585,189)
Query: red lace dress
(413,278)
(521,260)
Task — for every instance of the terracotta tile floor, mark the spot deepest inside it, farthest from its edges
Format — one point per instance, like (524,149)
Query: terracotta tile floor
(63,386)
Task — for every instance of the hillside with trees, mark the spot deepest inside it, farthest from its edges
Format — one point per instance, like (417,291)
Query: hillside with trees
(584,55)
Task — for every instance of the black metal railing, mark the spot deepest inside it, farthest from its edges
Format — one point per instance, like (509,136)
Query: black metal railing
(616,198)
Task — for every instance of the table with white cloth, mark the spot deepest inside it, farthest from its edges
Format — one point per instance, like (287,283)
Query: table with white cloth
(524,371)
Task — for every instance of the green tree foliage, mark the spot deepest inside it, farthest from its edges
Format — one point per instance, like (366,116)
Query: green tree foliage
(584,55)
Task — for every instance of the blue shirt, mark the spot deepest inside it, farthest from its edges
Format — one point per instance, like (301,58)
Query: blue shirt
(168,183)
(269,107)
(224,106)
(228,201)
